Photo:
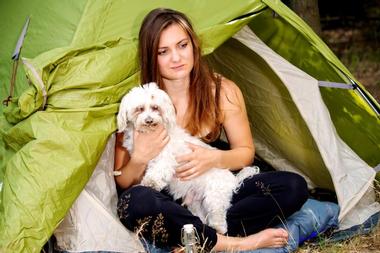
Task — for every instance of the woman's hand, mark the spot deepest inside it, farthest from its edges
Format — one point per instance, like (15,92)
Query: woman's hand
(197,162)
(147,145)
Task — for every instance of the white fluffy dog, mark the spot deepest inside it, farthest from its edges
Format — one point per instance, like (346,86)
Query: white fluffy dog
(207,196)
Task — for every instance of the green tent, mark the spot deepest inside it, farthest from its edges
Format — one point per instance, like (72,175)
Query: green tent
(79,58)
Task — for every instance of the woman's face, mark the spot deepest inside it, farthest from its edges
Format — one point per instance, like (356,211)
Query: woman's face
(175,53)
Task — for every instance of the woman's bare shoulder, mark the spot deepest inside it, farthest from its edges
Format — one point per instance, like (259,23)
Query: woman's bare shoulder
(230,92)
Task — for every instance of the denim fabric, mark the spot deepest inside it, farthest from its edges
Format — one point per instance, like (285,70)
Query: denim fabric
(150,248)
(278,194)
(89,252)
(361,229)
(313,218)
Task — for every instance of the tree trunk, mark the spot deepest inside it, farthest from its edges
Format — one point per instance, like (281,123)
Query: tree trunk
(308,10)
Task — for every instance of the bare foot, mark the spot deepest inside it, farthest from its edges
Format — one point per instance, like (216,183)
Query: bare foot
(178,250)
(268,238)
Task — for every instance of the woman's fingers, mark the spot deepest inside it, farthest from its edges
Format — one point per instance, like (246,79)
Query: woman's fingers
(191,175)
(184,158)
(149,144)
(185,168)
(187,171)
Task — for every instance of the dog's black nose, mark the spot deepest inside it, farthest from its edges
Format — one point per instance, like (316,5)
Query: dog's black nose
(148,120)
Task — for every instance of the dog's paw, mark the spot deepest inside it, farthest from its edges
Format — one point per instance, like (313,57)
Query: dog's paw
(247,172)
(160,185)
(157,185)
(149,183)
(218,223)
(220,228)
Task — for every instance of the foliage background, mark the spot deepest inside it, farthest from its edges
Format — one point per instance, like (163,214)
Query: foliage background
(352,30)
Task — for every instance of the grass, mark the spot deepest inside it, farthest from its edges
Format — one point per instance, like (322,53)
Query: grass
(359,50)
(359,244)
(362,57)
(365,243)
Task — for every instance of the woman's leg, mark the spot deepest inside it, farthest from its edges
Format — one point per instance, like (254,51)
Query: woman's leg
(159,219)
(264,201)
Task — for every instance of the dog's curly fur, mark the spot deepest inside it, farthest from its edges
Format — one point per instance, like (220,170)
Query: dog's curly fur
(207,196)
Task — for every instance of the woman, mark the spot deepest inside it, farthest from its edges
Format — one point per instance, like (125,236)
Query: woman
(205,104)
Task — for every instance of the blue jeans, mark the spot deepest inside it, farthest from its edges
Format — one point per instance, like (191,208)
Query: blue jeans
(312,219)
(262,201)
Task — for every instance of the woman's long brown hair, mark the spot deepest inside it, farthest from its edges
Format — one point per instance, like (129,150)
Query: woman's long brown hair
(204,110)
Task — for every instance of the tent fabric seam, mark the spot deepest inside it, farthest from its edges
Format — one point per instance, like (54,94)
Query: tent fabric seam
(357,197)
(79,23)
(39,80)
(314,39)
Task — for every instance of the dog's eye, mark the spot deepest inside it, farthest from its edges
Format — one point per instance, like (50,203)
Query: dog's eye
(154,107)
(140,109)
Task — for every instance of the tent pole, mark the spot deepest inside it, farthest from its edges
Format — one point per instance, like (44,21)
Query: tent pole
(15,58)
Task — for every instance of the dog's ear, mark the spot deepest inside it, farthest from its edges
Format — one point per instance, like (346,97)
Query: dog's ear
(122,117)
(153,84)
(169,114)
(150,85)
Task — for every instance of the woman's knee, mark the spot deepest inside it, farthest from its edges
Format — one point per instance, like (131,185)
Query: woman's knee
(297,191)
(137,201)
(299,186)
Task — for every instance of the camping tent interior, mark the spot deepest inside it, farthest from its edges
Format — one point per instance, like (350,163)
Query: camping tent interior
(80,59)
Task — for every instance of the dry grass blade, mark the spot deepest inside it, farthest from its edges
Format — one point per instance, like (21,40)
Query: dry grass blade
(358,244)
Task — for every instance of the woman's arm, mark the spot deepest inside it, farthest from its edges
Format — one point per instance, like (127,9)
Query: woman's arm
(146,146)
(236,125)
(131,170)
